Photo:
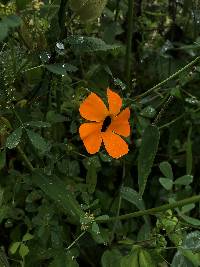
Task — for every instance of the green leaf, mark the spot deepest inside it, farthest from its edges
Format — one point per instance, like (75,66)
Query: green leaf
(84,44)
(190,248)
(133,197)
(184,180)
(14,247)
(111,258)
(2,159)
(180,261)
(190,220)
(145,259)
(101,217)
(166,183)
(56,189)
(12,21)
(131,260)
(91,179)
(187,208)
(92,161)
(166,169)
(3,30)
(148,112)
(95,228)
(192,241)
(14,138)
(148,149)
(61,69)
(27,237)
(38,141)
(23,250)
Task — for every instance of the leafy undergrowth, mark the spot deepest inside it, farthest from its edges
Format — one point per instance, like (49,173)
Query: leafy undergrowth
(61,206)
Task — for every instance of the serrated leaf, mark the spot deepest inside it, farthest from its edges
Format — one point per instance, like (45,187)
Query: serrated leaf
(38,141)
(166,169)
(23,250)
(14,138)
(147,153)
(166,183)
(14,247)
(61,69)
(84,44)
(56,189)
(184,180)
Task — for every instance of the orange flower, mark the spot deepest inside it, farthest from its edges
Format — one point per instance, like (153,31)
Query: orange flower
(106,125)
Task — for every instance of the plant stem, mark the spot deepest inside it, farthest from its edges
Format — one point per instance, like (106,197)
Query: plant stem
(119,203)
(75,241)
(152,211)
(129,43)
(169,78)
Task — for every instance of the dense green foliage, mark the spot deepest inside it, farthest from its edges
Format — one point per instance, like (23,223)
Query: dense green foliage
(59,205)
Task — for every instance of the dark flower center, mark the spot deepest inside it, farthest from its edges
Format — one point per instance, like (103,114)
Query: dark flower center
(106,124)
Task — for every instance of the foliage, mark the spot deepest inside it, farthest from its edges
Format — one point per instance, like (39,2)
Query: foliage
(60,206)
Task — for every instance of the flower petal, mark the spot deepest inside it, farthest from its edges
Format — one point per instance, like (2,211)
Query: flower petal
(90,133)
(120,124)
(114,101)
(114,144)
(93,108)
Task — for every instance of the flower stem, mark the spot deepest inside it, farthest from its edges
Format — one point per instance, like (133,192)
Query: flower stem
(152,211)
(193,62)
